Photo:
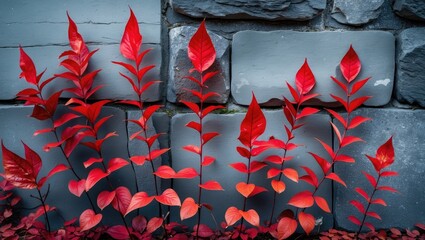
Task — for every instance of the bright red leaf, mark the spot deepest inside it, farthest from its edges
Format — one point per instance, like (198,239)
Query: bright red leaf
(350,65)
(122,199)
(245,189)
(116,163)
(105,198)
(211,185)
(57,169)
(27,66)
(232,215)
(304,79)
(253,125)
(77,187)
(322,203)
(286,227)
(88,219)
(291,174)
(169,197)
(336,178)
(278,186)
(239,166)
(307,222)
(95,175)
(251,216)
(384,155)
(165,172)
(358,205)
(188,209)
(139,200)
(201,50)
(187,173)
(302,199)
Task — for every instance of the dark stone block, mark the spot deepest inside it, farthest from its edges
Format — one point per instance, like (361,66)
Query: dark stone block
(180,66)
(263,61)
(411,9)
(300,10)
(405,209)
(356,12)
(223,148)
(410,79)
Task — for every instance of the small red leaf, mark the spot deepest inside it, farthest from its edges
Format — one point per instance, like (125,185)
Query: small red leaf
(384,155)
(257,190)
(358,205)
(328,148)
(302,199)
(192,148)
(379,201)
(338,117)
(118,232)
(165,172)
(105,198)
(187,173)
(194,125)
(344,158)
(27,66)
(203,231)
(374,215)
(188,209)
(347,140)
(88,219)
(139,200)
(139,223)
(232,215)
(336,178)
(201,49)
(206,137)
(253,124)
(370,178)
(291,174)
(340,84)
(304,79)
(245,189)
(273,172)
(116,163)
(362,193)
(325,165)
(355,103)
(208,160)
(387,188)
(95,175)
(278,186)
(286,227)
(91,161)
(154,224)
(389,174)
(122,199)
(239,166)
(307,112)
(354,220)
(57,169)
(169,197)
(64,119)
(77,187)
(75,40)
(307,222)
(138,160)
(256,166)
(251,216)
(350,65)
(322,203)
(211,185)
(358,85)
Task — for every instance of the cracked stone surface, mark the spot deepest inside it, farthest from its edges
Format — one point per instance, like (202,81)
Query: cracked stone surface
(263,61)
(356,12)
(405,209)
(223,148)
(410,79)
(180,65)
(12,118)
(410,9)
(300,10)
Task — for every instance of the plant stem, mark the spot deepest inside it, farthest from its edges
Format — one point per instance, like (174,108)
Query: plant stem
(43,203)
(201,107)
(368,204)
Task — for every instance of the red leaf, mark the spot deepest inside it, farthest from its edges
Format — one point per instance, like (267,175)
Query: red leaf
(374,215)
(355,103)
(239,166)
(189,208)
(340,100)
(256,166)
(384,155)
(118,232)
(358,85)
(206,137)
(28,68)
(138,160)
(139,223)
(64,119)
(203,231)
(41,131)
(122,199)
(328,148)
(349,140)
(40,113)
(131,39)
(201,49)
(75,40)
(278,186)
(389,174)
(157,153)
(257,190)
(232,215)
(211,185)
(95,175)
(105,198)
(208,75)
(294,94)
(325,165)
(115,164)
(340,84)
(187,173)
(192,148)
(304,79)
(88,219)
(209,109)
(194,125)
(243,152)
(336,178)
(337,132)
(344,158)
(338,117)
(350,65)
(139,200)
(354,220)
(307,222)
(251,216)
(253,125)
(154,224)
(322,203)
(208,160)
(307,112)
(302,199)
(165,172)
(91,161)
(57,169)
(362,193)
(18,171)
(387,188)
(286,227)
(291,174)
(312,175)
(420,225)
(379,201)
(371,227)
(169,197)
(77,187)
(370,178)
(245,189)
(358,205)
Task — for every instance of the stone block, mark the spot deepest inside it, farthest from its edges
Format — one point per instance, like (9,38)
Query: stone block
(405,209)
(223,148)
(410,79)
(116,87)
(12,120)
(251,9)
(263,61)
(410,9)
(356,12)
(180,65)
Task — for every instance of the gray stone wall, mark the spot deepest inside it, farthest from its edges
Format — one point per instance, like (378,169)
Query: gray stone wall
(260,45)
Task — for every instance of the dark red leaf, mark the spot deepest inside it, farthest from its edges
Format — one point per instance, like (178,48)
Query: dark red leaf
(139,223)
(95,175)
(28,68)
(304,79)
(189,208)
(139,200)
(131,39)
(307,222)
(302,199)
(77,187)
(253,125)
(118,232)
(169,197)
(40,113)
(256,166)
(350,65)
(105,198)
(203,231)
(201,49)
(89,219)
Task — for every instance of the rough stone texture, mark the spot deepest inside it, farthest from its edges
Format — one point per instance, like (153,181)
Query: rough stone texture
(180,65)
(410,79)
(356,12)
(116,87)
(406,209)
(223,148)
(299,10)
(12,120)
(101,24)
(411,9)
(263,61)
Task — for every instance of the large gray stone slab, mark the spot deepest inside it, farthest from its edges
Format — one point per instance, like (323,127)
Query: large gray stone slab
(356,12)
(405,209)
(411,9)
(180,65)
(263,61)
(299,10)
(410,80)
(223,148)
(12,120)
(116,87)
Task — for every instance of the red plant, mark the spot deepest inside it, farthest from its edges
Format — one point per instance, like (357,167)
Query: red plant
(202,53)
(384,158)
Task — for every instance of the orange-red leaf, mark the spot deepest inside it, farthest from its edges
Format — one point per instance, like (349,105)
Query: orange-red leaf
(239,166)
(302,199)
(304,79)
(154,224)
(307,222)
(286,227)
(245,189)
(188,209)
(192,148)
(291,174)
(165,172)
(322,203)
(336,178)
(232,215)
(88,219)
(139,200)
(278,186)
(187,173)
(169,197)
(347,140)
(350,65)
(201,50)
(384,155)
(251,216)
(211,185)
